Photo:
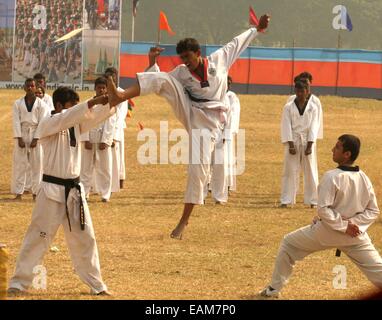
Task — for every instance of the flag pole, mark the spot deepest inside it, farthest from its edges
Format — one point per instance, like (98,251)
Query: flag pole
(159,35)
(338,60)
(293,64)
(132,26)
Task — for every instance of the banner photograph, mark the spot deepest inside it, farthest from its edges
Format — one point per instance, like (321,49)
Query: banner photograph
(7,21)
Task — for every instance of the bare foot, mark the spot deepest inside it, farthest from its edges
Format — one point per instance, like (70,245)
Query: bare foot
(115,97)
(18,197)
(178,231)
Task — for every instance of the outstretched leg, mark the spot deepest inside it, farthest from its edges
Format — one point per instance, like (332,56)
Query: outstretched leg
(116,97)
(177,232)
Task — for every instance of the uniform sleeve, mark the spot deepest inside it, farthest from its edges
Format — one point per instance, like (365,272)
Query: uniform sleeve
(16,121)
(232,50)
(286,126)
(366,218)
(320,134)
(314,125)
(62,121)
(327,191)
(43,112)
(96,115)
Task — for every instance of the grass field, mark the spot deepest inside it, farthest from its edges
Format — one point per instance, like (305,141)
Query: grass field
(226,252)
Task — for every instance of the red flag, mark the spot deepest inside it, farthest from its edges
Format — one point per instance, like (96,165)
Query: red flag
(101,7)
(252,17)
(135,7)
(163,24)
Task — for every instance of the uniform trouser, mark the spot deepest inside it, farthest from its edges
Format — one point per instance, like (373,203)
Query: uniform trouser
(122,166)
(47,216)
(192,118)
(302,242)
(96,165)
(218,174)
(116,166)
(231,164)
(25,159)
(293,164)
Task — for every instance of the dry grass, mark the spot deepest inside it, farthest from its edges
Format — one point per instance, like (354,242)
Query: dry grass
(227,252)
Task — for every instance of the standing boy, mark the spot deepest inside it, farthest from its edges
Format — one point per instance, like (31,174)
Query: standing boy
(299,130)
(27,155)
(61,198)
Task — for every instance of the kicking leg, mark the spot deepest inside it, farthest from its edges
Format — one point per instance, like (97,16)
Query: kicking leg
(177,232)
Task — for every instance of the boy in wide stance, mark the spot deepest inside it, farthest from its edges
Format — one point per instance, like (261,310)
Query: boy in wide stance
(347,207)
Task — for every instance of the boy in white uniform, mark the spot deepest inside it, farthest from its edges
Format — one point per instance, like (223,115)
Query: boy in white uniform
(118,150)
(27,156)
(347,207)
(96,161)
(41,82)
(306,76)
(232,129)
(196,92)
(61,198)
(299,130)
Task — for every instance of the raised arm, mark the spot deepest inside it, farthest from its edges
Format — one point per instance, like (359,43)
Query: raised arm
(232,50)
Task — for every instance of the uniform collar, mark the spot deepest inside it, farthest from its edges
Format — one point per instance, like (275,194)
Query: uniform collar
(347,168)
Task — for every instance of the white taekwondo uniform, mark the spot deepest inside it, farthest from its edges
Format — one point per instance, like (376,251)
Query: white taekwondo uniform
(63,205)
(344,194)
(199,105)
(300,129)
(96,164)
(27,161)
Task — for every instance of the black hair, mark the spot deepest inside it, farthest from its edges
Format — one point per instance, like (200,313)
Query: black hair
(301,84)
(303,76)
(187,44)
(229,79)
(306,75)
(27,80)
(100,80)
(39,76)
(64,95)
(111,70)
(351,143)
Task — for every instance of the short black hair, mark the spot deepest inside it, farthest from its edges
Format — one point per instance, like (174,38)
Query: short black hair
(301,84)
(64,95)
(229,79)
(39,76)
(27,80)
(111,70)
(302,76)
(351,143)
(306,75)
(100,80)
(187,44)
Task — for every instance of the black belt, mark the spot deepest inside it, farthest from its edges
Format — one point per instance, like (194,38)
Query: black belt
(192,98)
(68,184)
